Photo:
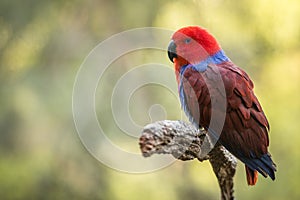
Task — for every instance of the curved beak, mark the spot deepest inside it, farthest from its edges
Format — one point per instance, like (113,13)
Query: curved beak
(172,50)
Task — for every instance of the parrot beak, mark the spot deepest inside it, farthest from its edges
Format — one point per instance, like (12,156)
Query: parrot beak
(172,51)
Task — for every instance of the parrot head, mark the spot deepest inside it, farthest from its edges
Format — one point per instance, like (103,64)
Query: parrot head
(191,45)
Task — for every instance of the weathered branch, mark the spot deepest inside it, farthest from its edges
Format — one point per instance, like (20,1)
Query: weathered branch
(185,142)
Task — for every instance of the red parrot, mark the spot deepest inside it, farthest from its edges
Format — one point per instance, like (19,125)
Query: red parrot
(197,57)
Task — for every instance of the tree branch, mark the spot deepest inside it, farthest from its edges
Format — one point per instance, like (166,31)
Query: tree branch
(185,142)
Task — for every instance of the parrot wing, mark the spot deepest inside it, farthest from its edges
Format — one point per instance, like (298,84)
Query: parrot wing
(245,131)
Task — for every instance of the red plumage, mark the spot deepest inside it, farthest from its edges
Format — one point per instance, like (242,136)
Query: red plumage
(245,130)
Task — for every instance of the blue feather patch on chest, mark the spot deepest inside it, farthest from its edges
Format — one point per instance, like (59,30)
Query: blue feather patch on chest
(217,58)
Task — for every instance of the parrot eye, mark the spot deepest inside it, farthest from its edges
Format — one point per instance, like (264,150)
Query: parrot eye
(187,40)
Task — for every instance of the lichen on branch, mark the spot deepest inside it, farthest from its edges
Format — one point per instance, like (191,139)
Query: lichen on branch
(185,142)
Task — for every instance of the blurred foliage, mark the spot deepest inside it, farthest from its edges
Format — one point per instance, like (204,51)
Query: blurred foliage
(42,45)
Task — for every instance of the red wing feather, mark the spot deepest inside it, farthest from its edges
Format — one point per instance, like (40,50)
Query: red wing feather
(245,113)
(245,128)
(245,131)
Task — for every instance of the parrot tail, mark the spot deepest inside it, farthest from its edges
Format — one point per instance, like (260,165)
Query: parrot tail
(252,176)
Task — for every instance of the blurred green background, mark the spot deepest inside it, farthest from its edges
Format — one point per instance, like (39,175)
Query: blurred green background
(43,44)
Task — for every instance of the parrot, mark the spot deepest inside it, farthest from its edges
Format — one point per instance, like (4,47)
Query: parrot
(197,57)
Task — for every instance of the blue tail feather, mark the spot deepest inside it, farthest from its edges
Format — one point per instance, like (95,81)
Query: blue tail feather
(264,165)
